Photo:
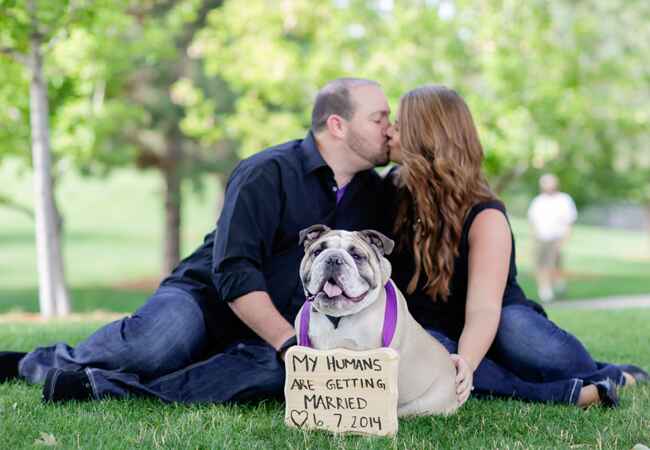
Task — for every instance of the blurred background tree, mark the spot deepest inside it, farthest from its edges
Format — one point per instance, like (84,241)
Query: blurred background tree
(121,82)
(29,31)
(554,85)
(138,91)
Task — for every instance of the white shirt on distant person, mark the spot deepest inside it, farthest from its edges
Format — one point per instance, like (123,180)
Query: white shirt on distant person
(552,215)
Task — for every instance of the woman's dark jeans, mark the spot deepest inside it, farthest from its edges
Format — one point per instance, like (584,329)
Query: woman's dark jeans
(533,359)
(157,350)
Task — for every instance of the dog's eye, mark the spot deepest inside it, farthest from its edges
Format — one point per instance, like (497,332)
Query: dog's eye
(357,257)
(317,252)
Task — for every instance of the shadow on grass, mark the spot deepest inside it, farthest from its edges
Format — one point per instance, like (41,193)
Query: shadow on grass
(84,299)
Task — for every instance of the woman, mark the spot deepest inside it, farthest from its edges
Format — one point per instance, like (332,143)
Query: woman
(455,236)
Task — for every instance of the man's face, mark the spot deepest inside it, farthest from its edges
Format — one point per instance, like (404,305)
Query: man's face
(366,135)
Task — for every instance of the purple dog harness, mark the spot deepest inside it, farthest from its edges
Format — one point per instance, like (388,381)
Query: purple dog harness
(390,319)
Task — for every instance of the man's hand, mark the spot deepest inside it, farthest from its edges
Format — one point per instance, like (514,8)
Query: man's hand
(464,378)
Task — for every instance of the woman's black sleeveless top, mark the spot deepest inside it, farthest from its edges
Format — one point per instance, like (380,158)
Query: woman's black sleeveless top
(449,316)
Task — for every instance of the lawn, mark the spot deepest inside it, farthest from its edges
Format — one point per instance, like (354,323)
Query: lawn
(113,229)
(617,336)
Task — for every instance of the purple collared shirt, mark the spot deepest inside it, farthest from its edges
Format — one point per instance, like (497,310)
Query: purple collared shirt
(339,193)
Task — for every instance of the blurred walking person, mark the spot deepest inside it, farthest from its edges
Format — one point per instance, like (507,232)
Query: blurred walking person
(551,215)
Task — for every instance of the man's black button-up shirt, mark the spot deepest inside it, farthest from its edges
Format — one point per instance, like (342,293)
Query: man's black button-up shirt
(270,197)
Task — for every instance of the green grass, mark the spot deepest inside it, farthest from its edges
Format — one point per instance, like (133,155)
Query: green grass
(599,262)
(617,336)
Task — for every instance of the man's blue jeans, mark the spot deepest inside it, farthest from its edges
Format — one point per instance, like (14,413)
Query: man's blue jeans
(533,359)
(157,352)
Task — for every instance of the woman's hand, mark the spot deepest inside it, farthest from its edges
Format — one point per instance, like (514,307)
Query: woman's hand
(464,378)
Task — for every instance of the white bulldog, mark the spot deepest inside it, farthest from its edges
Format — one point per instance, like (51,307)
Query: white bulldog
(344,275)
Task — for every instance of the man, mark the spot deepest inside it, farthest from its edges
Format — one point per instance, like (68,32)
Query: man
(551,215)
(213,329)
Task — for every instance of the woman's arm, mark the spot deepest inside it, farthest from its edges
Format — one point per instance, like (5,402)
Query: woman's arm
(490,245)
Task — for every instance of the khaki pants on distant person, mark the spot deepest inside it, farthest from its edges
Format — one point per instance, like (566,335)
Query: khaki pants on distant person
(548,267)
(548,254)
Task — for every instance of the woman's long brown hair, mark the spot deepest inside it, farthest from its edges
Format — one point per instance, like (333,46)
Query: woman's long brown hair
(441,169)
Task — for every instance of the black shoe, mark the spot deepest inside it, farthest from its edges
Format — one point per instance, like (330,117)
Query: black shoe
(639,375)
(607,393)
(62,385)
(9,365)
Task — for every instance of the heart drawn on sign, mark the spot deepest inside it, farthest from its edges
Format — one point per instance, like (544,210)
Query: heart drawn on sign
(299,417)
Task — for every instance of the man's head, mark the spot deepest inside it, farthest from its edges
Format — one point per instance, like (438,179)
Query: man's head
(548,183)
(343,272)
(354,114)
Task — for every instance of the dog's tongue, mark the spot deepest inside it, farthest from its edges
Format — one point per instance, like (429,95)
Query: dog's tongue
(332,290)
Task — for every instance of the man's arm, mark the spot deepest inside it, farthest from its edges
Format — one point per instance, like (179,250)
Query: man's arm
(243,242)
(257,311)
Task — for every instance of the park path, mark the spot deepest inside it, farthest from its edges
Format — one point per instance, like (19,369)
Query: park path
(616,302)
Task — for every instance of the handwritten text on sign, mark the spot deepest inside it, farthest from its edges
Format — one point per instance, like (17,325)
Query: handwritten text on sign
(342,390)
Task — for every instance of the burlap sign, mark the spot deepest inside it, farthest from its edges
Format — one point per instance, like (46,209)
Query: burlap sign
(342,390)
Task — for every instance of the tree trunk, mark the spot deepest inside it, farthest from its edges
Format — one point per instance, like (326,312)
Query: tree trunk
(172,177)
(171,166)
(52,292)
(647,209)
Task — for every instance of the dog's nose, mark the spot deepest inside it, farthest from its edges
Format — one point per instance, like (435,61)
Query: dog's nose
(334,260)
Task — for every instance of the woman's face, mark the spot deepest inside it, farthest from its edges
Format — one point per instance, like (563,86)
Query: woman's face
(393,141)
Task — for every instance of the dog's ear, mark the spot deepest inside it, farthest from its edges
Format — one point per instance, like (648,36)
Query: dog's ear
(379,241)
(311,234)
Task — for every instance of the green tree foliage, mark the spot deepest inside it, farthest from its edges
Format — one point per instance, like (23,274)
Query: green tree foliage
(554,85)
(564,82)
(275,55)
(157,84)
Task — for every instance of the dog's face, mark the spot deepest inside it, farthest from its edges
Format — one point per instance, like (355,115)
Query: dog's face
(343,272)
